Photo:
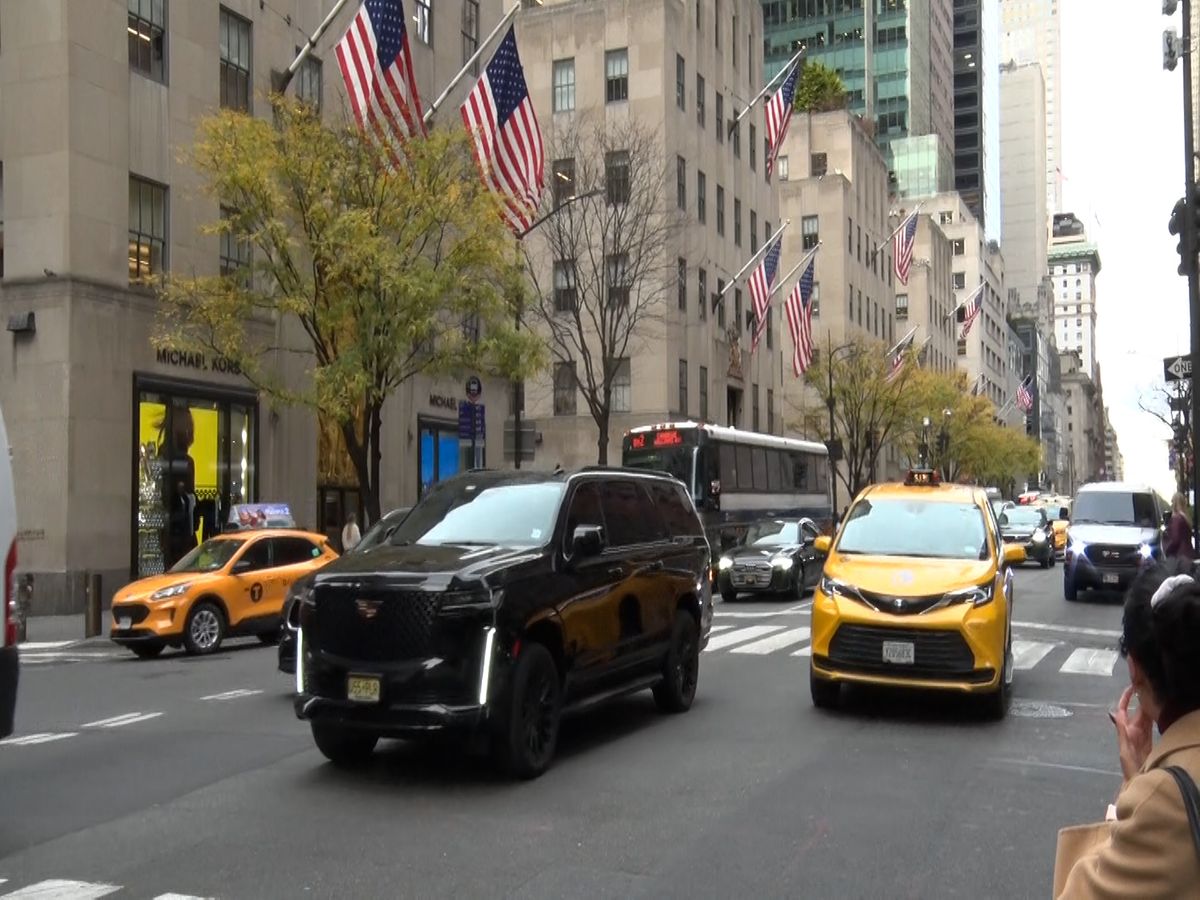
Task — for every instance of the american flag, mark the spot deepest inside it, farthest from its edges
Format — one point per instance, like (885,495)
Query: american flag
(1025,394)
(899,355)
(972,308)
(902,247)
(779,115)
(799,315)
(762,282)
(508,141)
(376,63)
(975,388)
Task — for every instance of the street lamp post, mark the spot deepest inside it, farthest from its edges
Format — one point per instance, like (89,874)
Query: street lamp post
(834,445)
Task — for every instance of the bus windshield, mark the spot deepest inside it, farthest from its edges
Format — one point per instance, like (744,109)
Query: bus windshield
(675,461)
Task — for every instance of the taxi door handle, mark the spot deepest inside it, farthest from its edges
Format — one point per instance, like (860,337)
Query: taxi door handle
(616,571)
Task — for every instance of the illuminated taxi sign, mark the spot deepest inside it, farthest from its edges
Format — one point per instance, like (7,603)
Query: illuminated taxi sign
(252,516)
(922,478)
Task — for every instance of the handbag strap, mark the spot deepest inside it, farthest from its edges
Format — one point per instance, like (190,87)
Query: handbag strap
(1191,801)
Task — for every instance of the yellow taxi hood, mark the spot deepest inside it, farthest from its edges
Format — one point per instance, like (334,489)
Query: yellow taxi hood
(906,576)
(154,583)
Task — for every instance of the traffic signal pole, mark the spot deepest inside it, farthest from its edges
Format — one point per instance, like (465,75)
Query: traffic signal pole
(1193,281)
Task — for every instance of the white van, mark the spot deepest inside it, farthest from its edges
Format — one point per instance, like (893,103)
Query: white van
(8,548)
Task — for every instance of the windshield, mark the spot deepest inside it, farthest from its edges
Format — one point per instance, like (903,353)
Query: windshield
(895,527)
(380,531)
(675,461)
(773,534)
(1115,508)
(1023,517)
(209,556)
(468,512)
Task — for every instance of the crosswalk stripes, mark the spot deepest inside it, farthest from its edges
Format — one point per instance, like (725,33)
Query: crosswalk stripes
(30,740)
(1086,661)
(775,642)
(740,636)
(64,889)
(1027,654)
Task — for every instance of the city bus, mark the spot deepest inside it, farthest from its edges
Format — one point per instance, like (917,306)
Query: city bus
(736,477)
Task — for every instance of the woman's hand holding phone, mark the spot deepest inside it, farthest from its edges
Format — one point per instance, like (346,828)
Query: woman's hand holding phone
(1134,734)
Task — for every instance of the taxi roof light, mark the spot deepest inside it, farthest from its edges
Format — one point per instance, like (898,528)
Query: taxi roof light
(923,478)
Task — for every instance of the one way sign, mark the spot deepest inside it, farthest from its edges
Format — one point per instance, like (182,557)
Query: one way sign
(1177,368)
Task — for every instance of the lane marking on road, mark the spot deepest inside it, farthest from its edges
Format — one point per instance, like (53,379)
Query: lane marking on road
(232,695)
(126,719)
(722,614)
(1027,654)
(63,655)
(775,642)
(57,889)
(1047,765)
(44,737)
(741,636)
(180,897)
(1069,629)
(44,645)
(1086,661)
(717,628)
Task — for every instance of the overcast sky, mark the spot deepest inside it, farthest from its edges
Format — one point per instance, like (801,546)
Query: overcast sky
(1123,168)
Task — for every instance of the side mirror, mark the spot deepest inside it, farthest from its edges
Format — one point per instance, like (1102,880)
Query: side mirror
(1167,518)
(242,565)
(587,540)
(1064,514)
(1002,519)
(1014,554)
(823,543)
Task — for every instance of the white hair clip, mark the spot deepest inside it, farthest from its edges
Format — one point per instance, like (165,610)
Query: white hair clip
(1168,585)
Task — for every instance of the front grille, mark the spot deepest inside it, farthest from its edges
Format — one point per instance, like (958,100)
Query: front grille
(134,612)
(937,654)
(757,568)
(374,626)
(1015,539)
(1113,555)
(900,606)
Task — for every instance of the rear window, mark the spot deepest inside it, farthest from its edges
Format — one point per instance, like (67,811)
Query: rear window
(674,506)
(1135,508)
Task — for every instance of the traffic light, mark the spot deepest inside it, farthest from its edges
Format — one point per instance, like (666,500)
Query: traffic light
(1183,224)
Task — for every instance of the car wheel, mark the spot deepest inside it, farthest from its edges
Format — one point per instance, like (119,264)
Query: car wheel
(995,704)
(729,596)
(1051,558)
(147,651)
(529,733)
(343,747)
(1070,591)
(1045,563)
(825,694)
(204,630)
(681,668)
(800,581)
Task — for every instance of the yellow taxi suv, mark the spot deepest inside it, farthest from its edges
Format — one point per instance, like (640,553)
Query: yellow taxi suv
(231,585)
(917,592)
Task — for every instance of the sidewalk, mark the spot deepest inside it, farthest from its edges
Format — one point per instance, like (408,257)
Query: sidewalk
(39,629)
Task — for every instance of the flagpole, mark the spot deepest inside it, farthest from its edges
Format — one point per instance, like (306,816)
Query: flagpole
(912,331)
(904,221)
(441,98)
(765,247)
(778,75)
(283,79)
(963,303)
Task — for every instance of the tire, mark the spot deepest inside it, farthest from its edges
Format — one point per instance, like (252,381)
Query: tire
(681,668)
(995,704)
(729,596)
(1070,591)
(825,694)
(1051,560)
(344,748)
(1046,562)
(800,582)
(204,630)
(147,651)
(528,735)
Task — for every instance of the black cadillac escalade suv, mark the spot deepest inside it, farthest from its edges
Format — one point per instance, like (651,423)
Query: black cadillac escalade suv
(504,600)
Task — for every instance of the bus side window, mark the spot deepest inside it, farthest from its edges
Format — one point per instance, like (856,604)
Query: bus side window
(799,471)
(745,468)
(774,471)
(759,455)
(729,480)
(785,470)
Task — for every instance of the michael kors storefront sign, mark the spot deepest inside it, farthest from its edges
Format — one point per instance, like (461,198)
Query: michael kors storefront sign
(188,359)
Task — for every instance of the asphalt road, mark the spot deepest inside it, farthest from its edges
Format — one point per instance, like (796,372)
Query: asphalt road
(192,777)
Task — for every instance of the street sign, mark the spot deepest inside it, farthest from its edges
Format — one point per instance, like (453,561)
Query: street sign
(1177,368)
(466,420)
(474,388)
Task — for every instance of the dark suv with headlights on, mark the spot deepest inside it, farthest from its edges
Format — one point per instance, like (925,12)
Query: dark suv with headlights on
(1029,527)
(777,556)
(1116,529)
(503,601)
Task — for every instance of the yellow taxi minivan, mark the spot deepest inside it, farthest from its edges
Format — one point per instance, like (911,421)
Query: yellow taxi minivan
(917,592)
(232,585)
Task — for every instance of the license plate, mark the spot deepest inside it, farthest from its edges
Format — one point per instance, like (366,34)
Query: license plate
(1111,578)
(361,689)
(899,652)
(123,624)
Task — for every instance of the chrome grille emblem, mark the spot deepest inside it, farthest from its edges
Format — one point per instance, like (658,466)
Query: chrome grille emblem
(368,609)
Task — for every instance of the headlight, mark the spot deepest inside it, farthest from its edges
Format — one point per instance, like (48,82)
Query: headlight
(1146,551)
(1039,537)
(782,562)
(173,591)
(831,587)
(1075,546)
(976,595)
(725,562)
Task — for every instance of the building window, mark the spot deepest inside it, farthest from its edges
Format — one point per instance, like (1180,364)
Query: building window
(720,304)
(680,82)
(738,321)
(753,231)
(147,31)
(619,397)
(565,287)
(818,163)
(704,393)
(962,346)
(234,251)
(424,21)
(770,327)
(235,61)
(616,176)
(564,180)
(719,115)
(781,167)
(737,222)
(753,150)
(683,386)
(814,301)
(617,271)
(681,183)
(754,423)
(810,228)
(702,282)
(309,82)
(470,33)
(681,281)
(960,280)
(720,210)
(564,85)
(147,228)
(736,134)
(701,197)
(902,306)
(564,389)
(770,411)
(946,218)
(616,75)
(959,247)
